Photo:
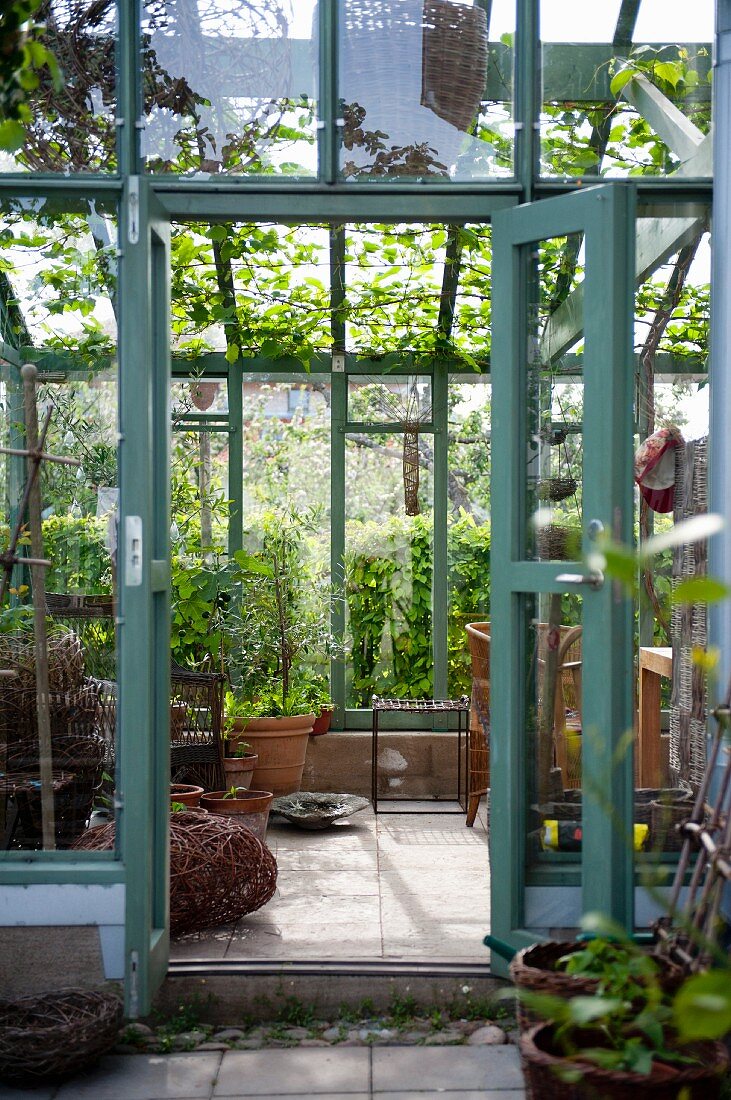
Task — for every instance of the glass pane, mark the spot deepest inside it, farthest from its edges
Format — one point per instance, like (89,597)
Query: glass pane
(468,532)
(199,481)
(278,277)
(390,400)
(287,444)
(60,290)
(672,345)
(70,123)
(553,407)
(552,746)
(287,471)
(394,276)
(425,89)
(613,86)
(230,88)
(388,567)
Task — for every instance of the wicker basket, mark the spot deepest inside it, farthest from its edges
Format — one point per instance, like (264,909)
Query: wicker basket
(541,1068)
(556,488)
(219,871)
(534,969)
(665,817)
(454,61)
(50,1037)
(558,543)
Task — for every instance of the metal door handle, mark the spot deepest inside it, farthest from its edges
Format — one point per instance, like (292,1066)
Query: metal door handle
(592,580)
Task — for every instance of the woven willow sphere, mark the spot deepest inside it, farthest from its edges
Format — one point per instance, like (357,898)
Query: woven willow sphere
(219,871)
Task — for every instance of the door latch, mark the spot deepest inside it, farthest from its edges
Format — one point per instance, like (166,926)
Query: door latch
(574,580)
(133,551)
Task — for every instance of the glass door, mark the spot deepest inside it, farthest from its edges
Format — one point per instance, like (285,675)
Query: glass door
(561,634)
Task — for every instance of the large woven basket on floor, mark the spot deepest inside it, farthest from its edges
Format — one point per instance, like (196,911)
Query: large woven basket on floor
(52,1036)
(541,1068)
(219,871)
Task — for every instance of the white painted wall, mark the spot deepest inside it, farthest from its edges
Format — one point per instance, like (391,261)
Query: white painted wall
(64,904)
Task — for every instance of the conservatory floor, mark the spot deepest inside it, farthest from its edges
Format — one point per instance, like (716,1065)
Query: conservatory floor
(386,886)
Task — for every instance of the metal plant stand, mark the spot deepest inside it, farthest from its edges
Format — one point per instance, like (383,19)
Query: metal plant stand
(460,707)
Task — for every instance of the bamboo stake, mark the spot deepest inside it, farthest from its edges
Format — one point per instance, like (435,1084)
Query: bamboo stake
(29,375)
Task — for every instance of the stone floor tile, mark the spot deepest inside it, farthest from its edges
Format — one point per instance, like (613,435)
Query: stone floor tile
(146,1077)
(332,883)
(462,1094)
(313,1095)
(330,859)
(407,1068)
(308,1072)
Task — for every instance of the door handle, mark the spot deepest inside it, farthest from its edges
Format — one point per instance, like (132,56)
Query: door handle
(574,580)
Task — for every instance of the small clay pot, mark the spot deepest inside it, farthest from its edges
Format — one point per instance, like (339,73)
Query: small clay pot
(185,793)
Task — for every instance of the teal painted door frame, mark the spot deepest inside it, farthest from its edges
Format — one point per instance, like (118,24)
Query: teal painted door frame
(143,780)
(605,217)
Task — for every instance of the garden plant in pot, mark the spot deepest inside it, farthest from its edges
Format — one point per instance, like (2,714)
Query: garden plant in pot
(637,1033)
(250,808)
(239,762)
(320,701)
(278,621)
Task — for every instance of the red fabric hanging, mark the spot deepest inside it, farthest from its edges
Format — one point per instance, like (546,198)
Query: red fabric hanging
(655,468)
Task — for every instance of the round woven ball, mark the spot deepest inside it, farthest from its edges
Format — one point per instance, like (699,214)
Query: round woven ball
(57,1034)
(219,871)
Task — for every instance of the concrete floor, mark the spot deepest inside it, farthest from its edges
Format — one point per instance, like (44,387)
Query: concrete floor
(386,886)
(392,1073)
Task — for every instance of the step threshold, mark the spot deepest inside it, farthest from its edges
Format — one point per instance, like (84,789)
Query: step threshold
(353,968)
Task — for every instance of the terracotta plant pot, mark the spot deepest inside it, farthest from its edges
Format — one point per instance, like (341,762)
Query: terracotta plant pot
(185,793)
(322,723)
(240,769)
(542,1064)
(281,745)
(250,808)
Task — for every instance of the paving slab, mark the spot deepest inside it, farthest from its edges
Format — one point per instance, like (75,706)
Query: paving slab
(145,1077)
(309,1072)
(404,1069)
(460,1094)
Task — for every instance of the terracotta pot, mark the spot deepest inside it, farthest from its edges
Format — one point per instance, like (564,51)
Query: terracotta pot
(281,745)
(203,394)
(322,722)
(250,808)
(541,1066)
(185,793)
(240,770)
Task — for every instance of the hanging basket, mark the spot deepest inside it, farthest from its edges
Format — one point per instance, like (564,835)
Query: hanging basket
(411,473)
(558,543)
(556,488)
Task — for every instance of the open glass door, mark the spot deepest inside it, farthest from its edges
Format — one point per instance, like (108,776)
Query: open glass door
(561,698)
(143,581)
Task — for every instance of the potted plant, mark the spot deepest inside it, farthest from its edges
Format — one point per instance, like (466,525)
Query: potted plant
(278,619)
(617,1047)
(627,1030)
(239,762)
(250,808)
(320,702)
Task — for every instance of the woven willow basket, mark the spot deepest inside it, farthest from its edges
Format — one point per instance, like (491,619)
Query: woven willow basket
(556,488)
(52,1036)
